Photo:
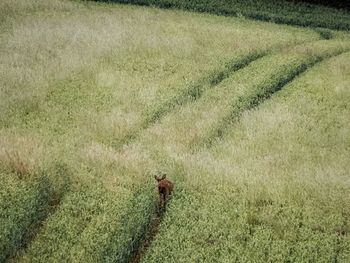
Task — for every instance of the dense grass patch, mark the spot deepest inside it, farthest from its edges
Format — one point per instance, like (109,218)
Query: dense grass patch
(281,11)
(93,225)
(26,202)
(23,205)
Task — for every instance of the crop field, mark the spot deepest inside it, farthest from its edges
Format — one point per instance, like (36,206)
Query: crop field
(248,118)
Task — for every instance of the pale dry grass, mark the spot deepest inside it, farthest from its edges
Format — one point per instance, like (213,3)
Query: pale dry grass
(131,167)
(21,154)
(125,52)
(24,6)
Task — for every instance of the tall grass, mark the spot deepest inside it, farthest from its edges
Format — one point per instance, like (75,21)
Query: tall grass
(23,206)
(21,155)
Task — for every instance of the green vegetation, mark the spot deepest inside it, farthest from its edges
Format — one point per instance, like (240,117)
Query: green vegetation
(281,11)
(22,207)
(95,98)
(275,187)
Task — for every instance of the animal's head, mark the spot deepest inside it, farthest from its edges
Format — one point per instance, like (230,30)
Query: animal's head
(160,178)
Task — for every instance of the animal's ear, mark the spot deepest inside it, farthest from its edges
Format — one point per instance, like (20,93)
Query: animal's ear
(163,177)
(155,177)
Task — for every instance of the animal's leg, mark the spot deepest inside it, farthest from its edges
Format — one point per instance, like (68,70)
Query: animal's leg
(161,201)
(166,196)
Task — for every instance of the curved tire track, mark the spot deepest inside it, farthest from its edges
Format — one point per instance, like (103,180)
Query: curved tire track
(261,93)
(195,91)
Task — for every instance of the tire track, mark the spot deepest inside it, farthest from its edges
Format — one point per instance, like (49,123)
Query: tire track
(191,94)
(260,94)
(195,91)
(148,236)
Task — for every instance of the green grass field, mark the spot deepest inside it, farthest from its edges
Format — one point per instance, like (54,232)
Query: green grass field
(249,119)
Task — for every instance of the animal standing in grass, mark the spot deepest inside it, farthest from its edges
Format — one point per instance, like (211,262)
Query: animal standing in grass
(165,187)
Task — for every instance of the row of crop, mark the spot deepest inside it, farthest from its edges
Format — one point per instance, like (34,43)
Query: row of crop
(279,11)
(243,223)
(275,208)
(94,224)
(24,204)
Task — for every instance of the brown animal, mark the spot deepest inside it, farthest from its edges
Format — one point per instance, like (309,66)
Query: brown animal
(165,187)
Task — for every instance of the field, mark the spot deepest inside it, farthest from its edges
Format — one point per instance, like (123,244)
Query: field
(299,13)
(249,119)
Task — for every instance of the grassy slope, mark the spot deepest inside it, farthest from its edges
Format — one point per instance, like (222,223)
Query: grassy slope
(275,187)
(281,11)
(76,80)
